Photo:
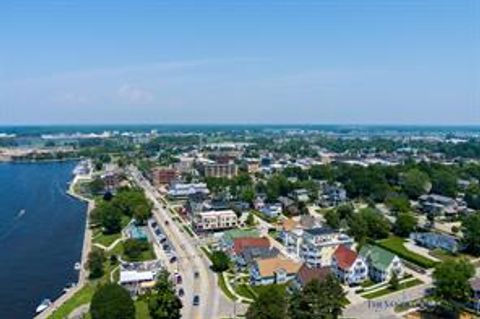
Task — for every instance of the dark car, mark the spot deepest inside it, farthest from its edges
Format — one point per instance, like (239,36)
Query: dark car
(179,279)
(167,223)
(196,274)
(173,259)
(196,300)
(154,224)
(181,293)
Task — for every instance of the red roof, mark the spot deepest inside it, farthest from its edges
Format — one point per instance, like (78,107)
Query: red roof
(239,244)
(345,257)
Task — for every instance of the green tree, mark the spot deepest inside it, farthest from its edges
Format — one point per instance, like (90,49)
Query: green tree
(370,223)
(405,224)
(164,303)
(444,182)
(96,258)
(248,195)
(451,280)
(133,248)
(108,216)
(398,203)
(471,233)
(220,261)
(415,183)
(111,301)
(332,218)
(250,220)
(472,196)
(394,283)
(96,186)
(319,300)
(270,304)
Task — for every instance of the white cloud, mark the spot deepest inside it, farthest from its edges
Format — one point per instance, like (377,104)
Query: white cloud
(131,94)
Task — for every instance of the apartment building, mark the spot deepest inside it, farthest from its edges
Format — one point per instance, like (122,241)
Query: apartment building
(226,170)
(163,175)
(315,246)
(215,220)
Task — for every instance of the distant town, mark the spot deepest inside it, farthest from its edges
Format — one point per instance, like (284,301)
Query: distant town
(269,222)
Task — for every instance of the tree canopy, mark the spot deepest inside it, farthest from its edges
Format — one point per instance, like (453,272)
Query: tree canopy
(111,301)
(164,303)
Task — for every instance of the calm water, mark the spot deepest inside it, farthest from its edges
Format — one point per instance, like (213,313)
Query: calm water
(38,249)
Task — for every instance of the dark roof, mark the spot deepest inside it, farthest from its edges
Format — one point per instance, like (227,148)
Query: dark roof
(307,274)
(251,253)
(320,231)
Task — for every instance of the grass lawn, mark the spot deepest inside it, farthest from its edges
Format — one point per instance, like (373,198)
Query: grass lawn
(395,245)
(141,309)
(104,239)
(386,291)
(367,283)
(223,286)
(246,291)
(144,256)
(259,289)
(264,217)
(82,297)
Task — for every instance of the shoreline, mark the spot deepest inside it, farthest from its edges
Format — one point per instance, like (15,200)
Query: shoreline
(86,248)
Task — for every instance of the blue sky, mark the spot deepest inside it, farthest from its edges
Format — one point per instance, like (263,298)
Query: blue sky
(240,61)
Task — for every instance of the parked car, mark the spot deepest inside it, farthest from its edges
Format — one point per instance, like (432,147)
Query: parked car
(173,259)
(179,279)
(181,293)
(196,300)
(196,274)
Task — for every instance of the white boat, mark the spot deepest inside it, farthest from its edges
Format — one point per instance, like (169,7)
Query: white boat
(44,305)
(77,266)
(21,213)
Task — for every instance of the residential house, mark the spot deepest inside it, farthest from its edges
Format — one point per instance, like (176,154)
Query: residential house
(250,254)
(272,211)
(252,165)
(438,205)
(433,240)
(215,220)
(242,243)
(348,266)
(306,274)
(273,271)
(475,300)
(289,206)
(332,195)
(382,264)
(300,195)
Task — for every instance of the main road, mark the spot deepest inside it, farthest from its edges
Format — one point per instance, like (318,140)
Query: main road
(190,259)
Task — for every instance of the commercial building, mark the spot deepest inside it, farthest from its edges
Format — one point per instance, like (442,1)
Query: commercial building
(215,220)
(183,191)
(163,175)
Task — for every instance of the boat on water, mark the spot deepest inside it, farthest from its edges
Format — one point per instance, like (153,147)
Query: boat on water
(21,212)
(77,266)
(44,305)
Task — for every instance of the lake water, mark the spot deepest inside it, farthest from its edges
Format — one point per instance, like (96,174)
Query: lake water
(41,235)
